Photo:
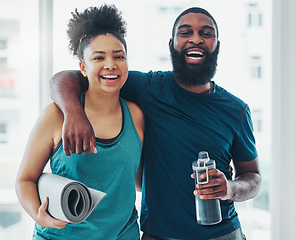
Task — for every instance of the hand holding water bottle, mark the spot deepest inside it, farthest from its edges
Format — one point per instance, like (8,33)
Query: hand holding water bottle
(217,187)
(211,184)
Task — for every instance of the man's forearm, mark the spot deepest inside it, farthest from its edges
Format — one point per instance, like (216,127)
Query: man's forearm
(245,187)
(66,88)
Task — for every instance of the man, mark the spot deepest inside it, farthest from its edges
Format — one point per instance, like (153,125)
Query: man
(186,112)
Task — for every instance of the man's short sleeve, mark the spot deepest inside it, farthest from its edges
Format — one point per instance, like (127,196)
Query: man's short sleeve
(243,148)
(136,84)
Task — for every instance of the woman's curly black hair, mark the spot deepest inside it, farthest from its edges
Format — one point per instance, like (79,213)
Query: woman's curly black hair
(84,26)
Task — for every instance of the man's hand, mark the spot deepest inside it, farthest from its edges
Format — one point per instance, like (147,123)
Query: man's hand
(65,89)
(78,135)
(217,187)
(244,186)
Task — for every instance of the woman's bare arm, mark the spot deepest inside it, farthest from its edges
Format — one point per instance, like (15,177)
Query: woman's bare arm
(43,138)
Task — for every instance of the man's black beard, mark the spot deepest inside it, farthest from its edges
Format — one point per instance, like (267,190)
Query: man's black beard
(193,75)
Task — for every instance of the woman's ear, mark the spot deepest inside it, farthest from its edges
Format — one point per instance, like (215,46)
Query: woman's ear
(82,69)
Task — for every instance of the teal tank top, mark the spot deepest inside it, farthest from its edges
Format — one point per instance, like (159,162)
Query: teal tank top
(112,170)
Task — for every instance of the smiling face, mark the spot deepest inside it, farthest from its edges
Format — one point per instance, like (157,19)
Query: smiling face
(194,49)
(196,35)
(105,64)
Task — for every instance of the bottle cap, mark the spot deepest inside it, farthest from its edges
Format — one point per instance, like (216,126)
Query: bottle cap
(203,155)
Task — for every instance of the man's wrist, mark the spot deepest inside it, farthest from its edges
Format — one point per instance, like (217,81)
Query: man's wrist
(230,190)
(74,109)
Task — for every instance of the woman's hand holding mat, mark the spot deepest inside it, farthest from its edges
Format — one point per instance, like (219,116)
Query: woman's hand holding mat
(69,200)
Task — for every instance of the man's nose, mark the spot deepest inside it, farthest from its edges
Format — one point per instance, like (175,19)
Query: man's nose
(196,39)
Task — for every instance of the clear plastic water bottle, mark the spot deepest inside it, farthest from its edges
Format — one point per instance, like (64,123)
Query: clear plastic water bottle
(208,211)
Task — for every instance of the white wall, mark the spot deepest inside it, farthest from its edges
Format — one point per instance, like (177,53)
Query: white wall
(283,188)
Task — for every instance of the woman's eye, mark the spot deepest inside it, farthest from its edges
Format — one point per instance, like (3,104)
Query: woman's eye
(98,58)
(120,57)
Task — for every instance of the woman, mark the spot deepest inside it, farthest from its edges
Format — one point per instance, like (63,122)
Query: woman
(97,38)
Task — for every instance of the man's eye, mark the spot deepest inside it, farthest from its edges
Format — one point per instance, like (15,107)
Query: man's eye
(184,33)
(207,34)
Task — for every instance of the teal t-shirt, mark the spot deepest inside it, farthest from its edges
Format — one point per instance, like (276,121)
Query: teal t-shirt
(178,125)
(112,170)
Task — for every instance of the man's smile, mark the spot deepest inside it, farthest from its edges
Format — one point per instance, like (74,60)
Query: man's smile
(195,55)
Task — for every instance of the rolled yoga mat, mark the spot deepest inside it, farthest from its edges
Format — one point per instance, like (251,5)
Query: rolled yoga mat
(69,200)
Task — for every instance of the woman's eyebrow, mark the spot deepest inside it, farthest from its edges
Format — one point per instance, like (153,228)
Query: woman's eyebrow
(118,51)
(103,52)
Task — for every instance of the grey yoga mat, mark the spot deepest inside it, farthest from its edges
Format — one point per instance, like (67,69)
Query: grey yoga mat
(69,200)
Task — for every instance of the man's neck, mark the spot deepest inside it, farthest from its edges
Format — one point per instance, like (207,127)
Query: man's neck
(203,89)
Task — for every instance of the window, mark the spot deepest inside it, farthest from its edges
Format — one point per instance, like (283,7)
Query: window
(3,44)
(18,105)
(163,10)
(170,10)
(7,87)
(3,52)
(3,60)
(256,67)
(163,59)
(257,120)
(255,15)
(3,133)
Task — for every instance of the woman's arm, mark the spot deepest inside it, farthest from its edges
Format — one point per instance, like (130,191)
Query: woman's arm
(139,122)
(44,136)
(139,177)
(138,119)
(78,134)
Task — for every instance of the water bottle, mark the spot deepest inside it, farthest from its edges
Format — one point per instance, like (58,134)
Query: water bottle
(208,211)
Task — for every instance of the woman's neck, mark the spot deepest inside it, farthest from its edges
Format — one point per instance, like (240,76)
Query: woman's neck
(103,103)
(104,113)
